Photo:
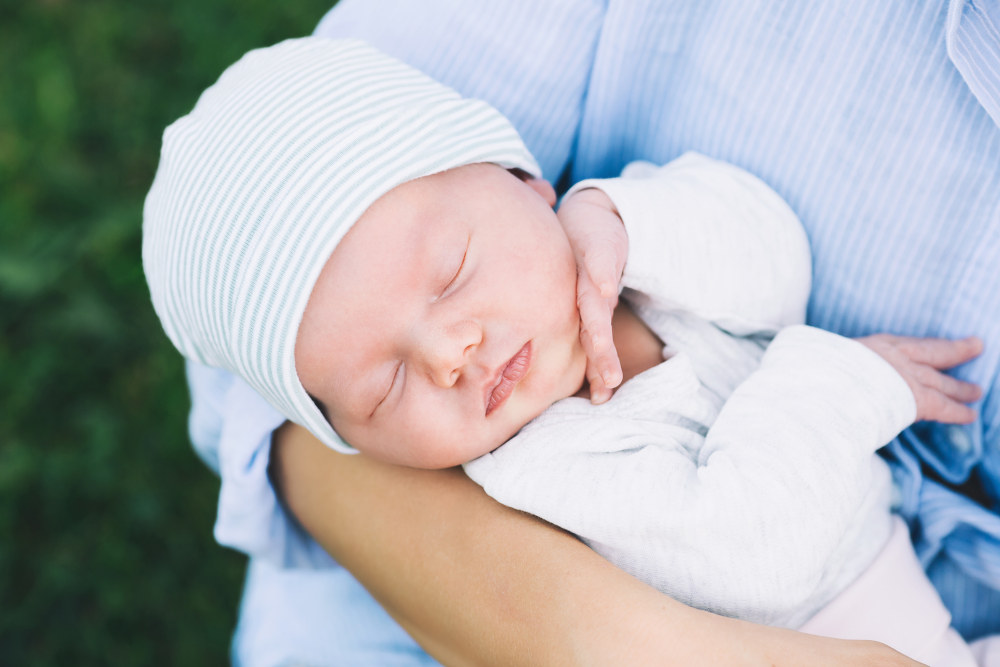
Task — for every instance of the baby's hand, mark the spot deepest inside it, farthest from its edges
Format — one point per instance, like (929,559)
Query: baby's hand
(920,361)
(599,241)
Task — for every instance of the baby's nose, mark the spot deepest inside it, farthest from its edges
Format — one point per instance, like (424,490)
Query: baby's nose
(448,350)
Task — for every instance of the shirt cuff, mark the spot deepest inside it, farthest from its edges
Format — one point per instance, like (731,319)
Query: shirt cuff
(250,517)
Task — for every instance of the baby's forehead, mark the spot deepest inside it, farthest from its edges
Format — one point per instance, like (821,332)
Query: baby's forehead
(301,137)
(427,206)
(400,255)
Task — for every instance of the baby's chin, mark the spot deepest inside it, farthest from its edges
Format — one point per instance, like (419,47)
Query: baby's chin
(454,450)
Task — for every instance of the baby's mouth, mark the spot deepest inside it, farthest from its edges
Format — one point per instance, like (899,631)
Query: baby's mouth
(508,377)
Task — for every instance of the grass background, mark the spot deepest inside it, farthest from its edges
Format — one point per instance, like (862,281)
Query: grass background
(106,553)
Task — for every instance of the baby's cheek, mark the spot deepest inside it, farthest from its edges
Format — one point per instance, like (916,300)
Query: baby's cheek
(524,267)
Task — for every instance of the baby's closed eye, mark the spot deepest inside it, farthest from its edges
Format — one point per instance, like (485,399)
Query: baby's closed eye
(454,275)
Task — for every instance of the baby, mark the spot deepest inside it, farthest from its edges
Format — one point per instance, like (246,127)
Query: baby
(376,256)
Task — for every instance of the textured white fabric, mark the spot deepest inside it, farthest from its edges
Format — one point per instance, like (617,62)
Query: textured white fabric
(894,602)
(694,210)
(257,185)
(737,476)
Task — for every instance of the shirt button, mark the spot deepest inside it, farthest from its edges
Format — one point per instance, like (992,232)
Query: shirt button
(959,439)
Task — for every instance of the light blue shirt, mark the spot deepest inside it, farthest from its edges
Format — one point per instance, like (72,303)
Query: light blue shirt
(878,122)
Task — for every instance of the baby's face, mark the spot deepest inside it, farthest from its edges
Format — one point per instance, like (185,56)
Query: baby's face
(445,320)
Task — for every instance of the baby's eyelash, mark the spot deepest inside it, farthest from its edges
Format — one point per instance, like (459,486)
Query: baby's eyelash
(458,272)
(388,391)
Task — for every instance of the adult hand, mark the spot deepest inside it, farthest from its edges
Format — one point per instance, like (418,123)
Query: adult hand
(920,361)
(600,244)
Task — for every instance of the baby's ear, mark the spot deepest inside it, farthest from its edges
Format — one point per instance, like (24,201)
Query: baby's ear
(539,185)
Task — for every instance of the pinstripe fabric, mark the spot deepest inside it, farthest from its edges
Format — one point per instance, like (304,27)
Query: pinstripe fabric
(878,122)
(893,164)
(517,55)
(973,39)
(261,180)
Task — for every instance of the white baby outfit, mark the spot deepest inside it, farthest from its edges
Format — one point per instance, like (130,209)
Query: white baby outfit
(739,475)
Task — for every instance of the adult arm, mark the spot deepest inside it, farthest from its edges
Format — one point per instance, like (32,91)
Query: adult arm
(477,583)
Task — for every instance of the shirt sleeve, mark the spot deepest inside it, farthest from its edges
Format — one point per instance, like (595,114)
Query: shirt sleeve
(540,85)
(973,40)
(745,523)
(231,428)
(462,45)
(711,239)
(208,387)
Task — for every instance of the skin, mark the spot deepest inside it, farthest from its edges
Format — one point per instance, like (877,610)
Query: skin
(453,313)
(445,319)
(517,590)
(600,245)
(477,583)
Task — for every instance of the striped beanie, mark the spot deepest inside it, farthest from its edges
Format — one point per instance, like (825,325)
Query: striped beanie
(258,184)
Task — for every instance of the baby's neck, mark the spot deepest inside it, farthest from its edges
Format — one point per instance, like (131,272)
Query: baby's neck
(639,349)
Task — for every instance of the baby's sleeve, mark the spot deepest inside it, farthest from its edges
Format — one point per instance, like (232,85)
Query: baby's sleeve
(743,521)
(709,238)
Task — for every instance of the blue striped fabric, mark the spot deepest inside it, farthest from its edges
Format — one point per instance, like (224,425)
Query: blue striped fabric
(878,122)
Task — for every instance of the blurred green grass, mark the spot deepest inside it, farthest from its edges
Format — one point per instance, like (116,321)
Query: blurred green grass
(106,553)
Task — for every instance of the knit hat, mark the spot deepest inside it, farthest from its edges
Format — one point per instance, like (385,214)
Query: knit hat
(258,184)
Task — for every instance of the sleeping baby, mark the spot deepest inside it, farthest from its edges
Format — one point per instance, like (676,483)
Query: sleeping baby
(378,257)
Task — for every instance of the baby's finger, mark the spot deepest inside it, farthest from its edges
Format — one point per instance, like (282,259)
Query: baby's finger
(936,406)
(956,389)
(596,336)
(595,324)
(601,267)
(940,352)
(599,392)
(602,358)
